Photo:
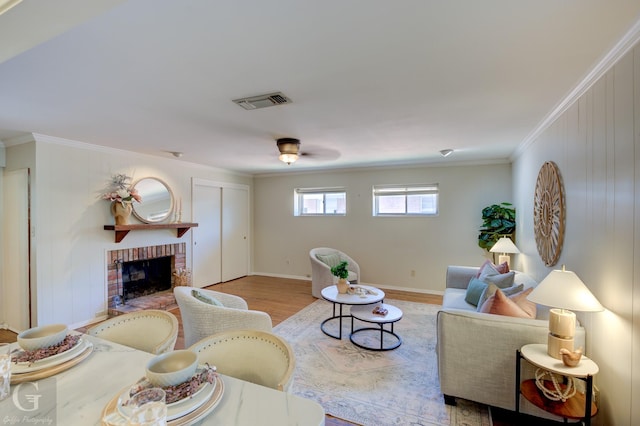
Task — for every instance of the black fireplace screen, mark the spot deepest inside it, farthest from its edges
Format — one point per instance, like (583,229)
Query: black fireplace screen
(144,277)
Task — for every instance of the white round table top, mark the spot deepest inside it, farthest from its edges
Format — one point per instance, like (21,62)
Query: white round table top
(365,313)
(537,355)
(372,295)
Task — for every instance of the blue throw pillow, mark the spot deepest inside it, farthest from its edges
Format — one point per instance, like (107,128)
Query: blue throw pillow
(474,291)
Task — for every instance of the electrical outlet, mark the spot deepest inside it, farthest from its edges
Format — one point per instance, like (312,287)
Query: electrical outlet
(413,273)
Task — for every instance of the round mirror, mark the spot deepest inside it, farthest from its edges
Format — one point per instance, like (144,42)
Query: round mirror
(157,200)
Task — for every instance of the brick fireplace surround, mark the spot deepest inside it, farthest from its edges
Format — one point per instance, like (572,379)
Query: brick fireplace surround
(164,300)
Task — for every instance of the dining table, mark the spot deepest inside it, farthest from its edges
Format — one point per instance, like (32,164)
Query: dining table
(85,390)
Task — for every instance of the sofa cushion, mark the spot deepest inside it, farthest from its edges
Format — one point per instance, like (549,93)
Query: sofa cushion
(500,304)
(474,291)
(332,259)
(491,290)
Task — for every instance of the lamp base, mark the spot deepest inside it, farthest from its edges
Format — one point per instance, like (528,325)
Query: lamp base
(555,343)
(504,258)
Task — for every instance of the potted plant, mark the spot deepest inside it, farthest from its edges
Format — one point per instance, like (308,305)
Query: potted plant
(341,271)
(497,220)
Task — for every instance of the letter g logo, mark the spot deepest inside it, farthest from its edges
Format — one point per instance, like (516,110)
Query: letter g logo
(33,399)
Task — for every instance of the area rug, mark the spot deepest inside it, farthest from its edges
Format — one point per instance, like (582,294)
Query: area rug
(398,387)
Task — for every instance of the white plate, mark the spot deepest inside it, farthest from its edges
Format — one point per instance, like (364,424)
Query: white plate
(53,360)
(176,409)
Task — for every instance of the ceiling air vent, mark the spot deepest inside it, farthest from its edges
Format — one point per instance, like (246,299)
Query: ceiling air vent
(263,101)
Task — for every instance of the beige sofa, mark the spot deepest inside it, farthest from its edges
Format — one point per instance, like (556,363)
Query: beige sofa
(477,351)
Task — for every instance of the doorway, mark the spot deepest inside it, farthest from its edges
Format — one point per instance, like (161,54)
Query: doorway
(15,290)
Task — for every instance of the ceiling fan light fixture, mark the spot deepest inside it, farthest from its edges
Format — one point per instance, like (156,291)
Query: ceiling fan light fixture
(289,149)
(288,158)
(446,152)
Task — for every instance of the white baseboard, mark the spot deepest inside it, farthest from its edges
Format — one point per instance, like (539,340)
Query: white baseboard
(381,286)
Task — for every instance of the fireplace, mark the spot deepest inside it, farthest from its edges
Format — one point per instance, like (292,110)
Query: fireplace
(144,277)
(142,271)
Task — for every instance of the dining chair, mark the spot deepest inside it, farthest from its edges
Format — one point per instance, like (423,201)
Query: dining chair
(322,259)
(206,312)
(256,356)
(150,330)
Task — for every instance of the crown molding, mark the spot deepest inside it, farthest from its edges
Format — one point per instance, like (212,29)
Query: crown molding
(621,48)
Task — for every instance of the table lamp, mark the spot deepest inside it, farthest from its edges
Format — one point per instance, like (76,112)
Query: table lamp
(504,245)
(565,292)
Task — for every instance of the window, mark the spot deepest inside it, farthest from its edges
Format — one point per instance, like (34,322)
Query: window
(405,200)
(320,202)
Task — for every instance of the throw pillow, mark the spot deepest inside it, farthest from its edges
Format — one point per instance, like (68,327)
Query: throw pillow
(500,304)
(474,290)
(501,280)
(206,298)
(491,290)
(527,305)
(331,260)
(502,268)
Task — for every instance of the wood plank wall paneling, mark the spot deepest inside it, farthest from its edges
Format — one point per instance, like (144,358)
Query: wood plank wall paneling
(596,144)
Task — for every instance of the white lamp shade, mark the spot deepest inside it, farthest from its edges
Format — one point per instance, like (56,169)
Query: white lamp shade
(504,245)
(563,289)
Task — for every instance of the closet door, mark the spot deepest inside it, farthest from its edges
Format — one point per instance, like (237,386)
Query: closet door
(206,237)
(235,232)
(15,290)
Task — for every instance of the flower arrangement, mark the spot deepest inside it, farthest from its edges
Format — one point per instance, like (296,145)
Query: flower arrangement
(121,191)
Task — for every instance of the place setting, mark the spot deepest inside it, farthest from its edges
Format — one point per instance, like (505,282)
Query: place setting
(175,391)
(46,350)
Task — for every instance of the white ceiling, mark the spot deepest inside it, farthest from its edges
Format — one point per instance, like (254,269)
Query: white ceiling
(373,82)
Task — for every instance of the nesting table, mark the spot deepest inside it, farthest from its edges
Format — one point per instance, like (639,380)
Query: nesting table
(371,295)
(365,314)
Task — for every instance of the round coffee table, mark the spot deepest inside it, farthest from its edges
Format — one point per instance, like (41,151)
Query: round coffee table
(365,314)
(371,295)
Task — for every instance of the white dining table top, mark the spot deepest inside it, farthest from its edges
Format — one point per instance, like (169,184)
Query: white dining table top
(84,390)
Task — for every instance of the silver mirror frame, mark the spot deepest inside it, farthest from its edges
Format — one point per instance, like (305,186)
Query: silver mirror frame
(138,208)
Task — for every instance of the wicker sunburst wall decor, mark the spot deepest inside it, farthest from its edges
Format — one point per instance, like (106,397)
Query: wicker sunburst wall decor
(548,213)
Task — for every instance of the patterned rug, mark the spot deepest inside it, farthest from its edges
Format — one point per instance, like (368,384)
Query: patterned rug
(398,387)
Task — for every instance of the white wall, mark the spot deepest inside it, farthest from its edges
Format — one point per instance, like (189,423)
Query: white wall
(387,249)
(69,242)
(596,145)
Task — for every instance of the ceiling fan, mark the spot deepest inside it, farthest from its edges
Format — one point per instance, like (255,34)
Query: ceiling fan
(289,149)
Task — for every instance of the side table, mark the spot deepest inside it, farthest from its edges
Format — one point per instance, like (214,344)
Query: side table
(579,406)
(331,294)
(365,313)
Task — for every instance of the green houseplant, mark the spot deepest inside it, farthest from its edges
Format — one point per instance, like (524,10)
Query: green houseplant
(497,220)
(341,271)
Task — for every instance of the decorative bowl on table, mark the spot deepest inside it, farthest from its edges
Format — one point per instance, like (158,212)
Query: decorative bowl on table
(42,337)
(172,368)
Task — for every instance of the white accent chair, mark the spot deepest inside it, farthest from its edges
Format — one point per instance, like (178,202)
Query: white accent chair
(322,259)
(151,330)
(201,319)
(256,356)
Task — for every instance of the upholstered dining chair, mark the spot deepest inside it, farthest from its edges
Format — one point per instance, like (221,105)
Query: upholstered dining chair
(150,330)
(206,312)
(322,260)
(256,356)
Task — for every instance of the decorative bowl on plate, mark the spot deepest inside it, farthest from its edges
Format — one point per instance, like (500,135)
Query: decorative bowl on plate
(42,337)
(172,368)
